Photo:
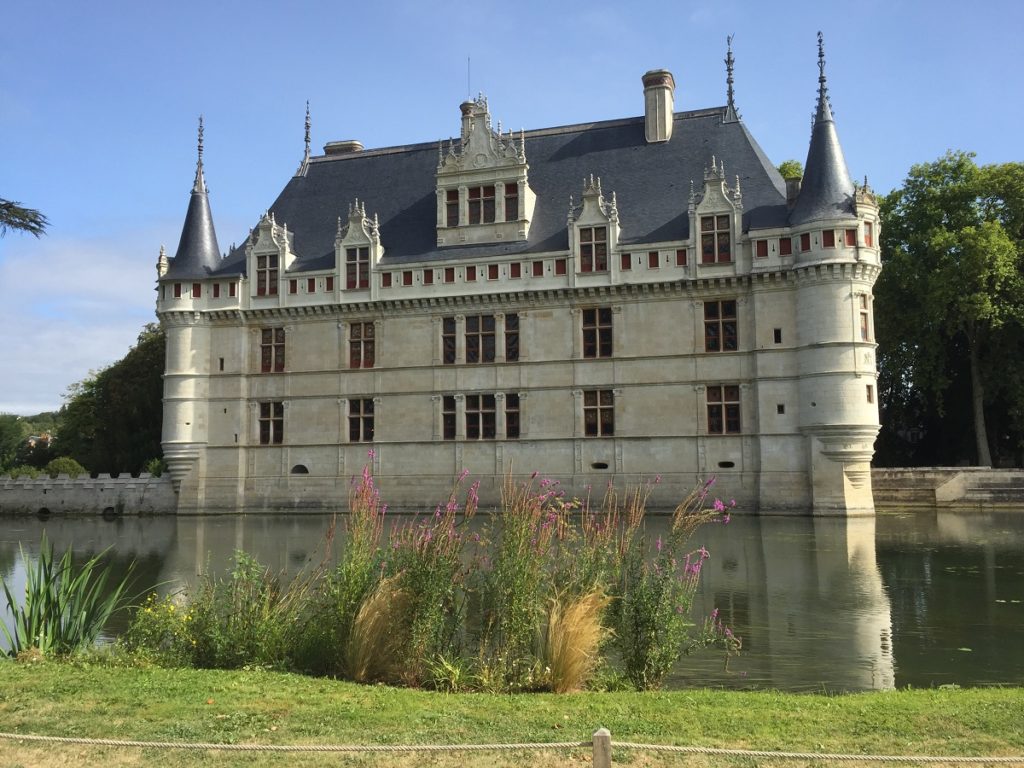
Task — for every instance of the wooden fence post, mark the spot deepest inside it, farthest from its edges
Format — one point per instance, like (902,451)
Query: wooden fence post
(602,748)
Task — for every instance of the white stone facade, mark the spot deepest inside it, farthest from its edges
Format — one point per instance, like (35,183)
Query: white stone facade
(649,361)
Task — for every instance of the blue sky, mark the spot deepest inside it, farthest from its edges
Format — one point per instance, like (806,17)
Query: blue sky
(99,102)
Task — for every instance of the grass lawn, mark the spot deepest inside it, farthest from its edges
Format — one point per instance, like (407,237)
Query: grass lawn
(103,701)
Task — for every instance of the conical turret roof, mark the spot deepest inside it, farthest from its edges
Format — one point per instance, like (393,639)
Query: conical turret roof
(827,190)
(198,253)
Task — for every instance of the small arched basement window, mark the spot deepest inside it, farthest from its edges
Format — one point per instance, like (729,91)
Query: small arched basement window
(300,469)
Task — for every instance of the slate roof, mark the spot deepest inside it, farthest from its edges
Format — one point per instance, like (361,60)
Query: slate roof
(197,255)
(651,182)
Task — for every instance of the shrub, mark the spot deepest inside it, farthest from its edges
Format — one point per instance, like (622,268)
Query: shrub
(655,595)
(155,467)
(24,470)
(162,631)
(64,608)
(65,465)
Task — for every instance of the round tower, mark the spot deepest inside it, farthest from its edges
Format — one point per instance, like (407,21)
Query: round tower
(180,297)
(835,227)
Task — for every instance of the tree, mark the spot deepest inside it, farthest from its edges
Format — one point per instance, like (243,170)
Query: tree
(12,433)
(15,216)
(791,169)
(111,422)
(949,307)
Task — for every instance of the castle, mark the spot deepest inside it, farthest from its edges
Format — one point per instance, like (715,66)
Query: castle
(636,299)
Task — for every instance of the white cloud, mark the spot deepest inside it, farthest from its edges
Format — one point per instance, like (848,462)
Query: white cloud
(68,307)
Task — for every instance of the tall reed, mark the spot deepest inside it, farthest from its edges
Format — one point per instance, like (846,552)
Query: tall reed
(64,608)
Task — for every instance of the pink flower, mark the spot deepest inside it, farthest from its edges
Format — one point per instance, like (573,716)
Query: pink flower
(719,506)
(658,544)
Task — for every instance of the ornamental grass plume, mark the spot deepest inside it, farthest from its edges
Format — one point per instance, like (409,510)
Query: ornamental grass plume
(377,642)
(572,645)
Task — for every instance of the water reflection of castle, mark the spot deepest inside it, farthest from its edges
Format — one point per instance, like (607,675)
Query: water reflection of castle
(807,597)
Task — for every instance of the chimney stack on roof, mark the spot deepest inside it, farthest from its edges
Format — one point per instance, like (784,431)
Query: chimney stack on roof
(659,104)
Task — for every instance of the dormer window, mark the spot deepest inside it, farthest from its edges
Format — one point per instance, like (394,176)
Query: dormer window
(593,249)
(357,267)
(452,208)
(483,194)
(481,205)
(715,240)
(511,202)
(266,275)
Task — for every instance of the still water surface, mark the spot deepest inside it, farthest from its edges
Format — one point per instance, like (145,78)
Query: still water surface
(922,599)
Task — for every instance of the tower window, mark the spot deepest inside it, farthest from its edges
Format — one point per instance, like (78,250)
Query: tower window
(515,270)
(715,240)
(625,262)
(805,241)
(407,277)
(492,271)
(470,274)
(865,317)
(538,269)
(216,290)
(828,238)
(449,274)
(293,286)
(428,277)
(652,260)
(786,246)
(197,290)
(761,249)
(310,285)
(850,236)
(593,249)
(681,257)
(869,234)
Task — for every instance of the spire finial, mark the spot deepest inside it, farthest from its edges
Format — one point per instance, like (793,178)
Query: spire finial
(729,61)
(824,111)
(199,185)
(308,126)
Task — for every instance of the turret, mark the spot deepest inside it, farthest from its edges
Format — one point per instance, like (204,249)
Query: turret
(835,270)
(186,373)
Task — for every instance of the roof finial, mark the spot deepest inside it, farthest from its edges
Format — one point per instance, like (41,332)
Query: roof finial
(308,126)
(729,93)
(824,111)
(199,185)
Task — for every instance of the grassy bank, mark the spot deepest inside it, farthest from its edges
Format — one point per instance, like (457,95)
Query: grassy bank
(100,701)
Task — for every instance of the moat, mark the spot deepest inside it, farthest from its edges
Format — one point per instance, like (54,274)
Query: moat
(923,599)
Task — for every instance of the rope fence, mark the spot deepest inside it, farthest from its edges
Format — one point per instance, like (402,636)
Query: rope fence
(601,745)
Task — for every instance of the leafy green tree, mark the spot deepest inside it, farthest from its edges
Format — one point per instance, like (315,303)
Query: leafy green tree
(12,433)
(19,218)
(791,169)
(949,309)
(111,421)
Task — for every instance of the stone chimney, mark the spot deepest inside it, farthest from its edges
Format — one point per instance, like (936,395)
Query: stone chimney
(792,190)
(659,103)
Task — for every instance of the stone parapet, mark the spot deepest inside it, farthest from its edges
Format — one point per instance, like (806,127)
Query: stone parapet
(84,495)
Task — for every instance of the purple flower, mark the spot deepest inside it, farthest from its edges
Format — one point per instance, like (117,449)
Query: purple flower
(658,543)
(372,454)
(719,506)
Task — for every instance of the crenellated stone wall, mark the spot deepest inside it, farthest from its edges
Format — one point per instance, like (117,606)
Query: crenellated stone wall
(103,494)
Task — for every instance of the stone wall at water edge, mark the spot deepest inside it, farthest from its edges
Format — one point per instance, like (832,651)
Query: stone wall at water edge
(104,494)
